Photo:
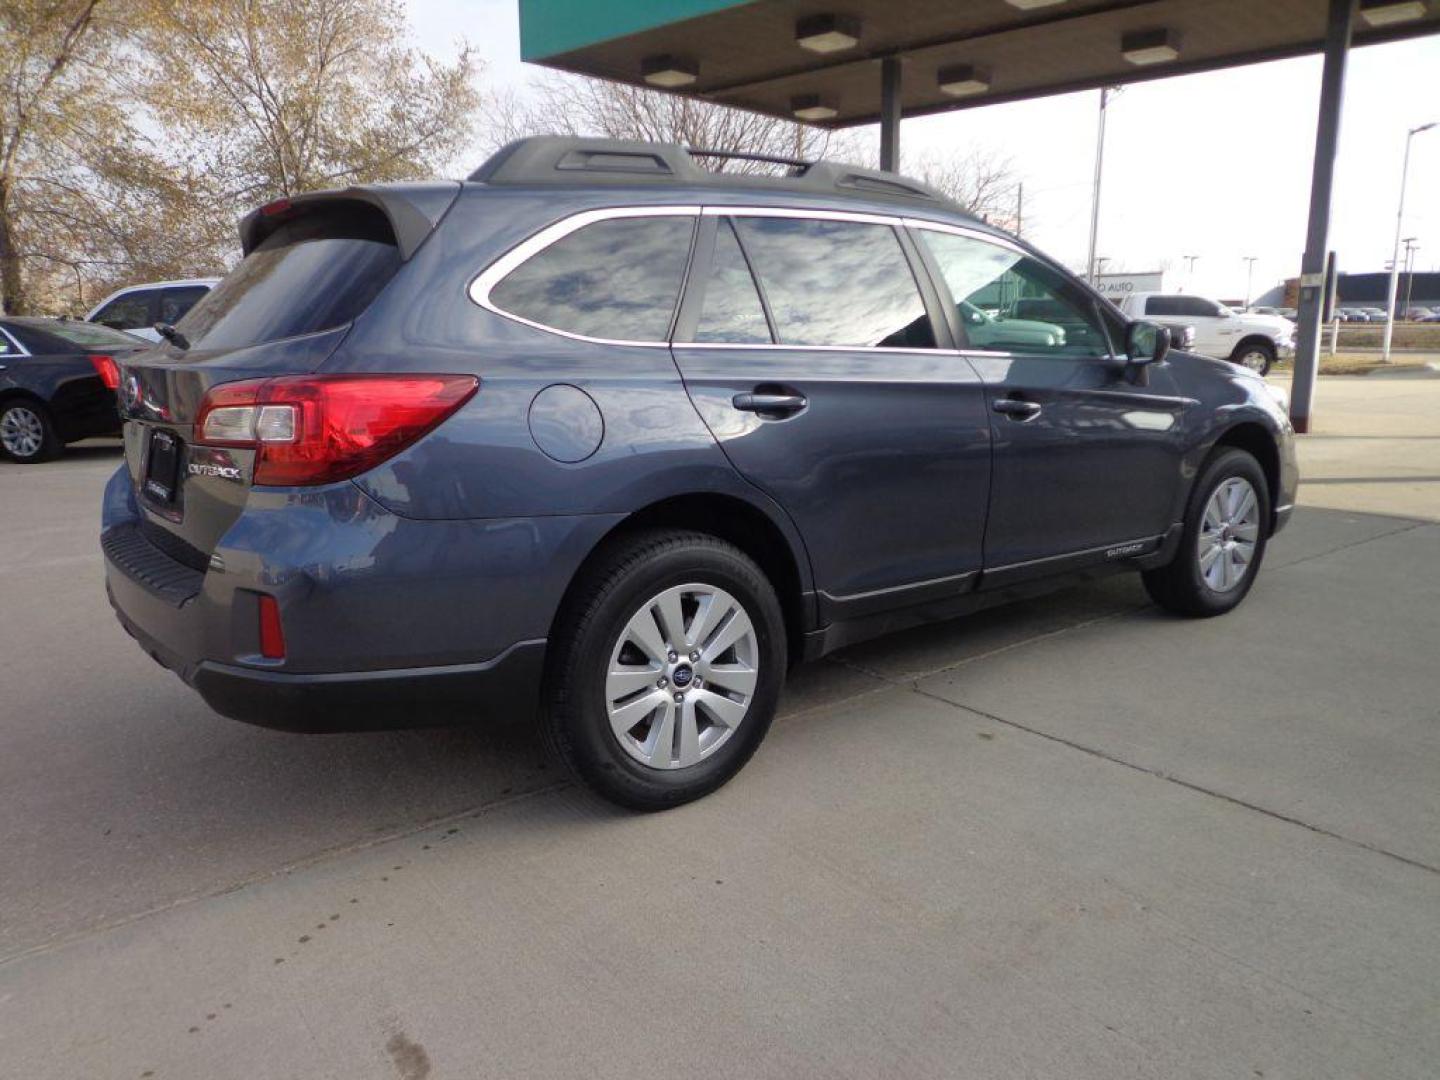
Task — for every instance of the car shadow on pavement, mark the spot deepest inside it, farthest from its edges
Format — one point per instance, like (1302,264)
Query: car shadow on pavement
(144,787)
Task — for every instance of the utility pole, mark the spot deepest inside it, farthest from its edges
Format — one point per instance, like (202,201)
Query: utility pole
(1249,261)
(1020,208)
(1395,255)
(1105,94)
(1410,248)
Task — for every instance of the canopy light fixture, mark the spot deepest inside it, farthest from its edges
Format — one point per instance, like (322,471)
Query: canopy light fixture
(827,33)
(1390,12)
(668,71)
(1144,47)
(1031,5)
(962,80)
(811,107)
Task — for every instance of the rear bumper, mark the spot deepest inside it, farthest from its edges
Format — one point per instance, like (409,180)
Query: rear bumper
(388,622)
(506,686)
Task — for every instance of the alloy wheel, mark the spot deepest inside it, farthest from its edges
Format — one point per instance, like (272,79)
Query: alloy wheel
(1254,359)
(22,432)
(1229,532)
(682,676)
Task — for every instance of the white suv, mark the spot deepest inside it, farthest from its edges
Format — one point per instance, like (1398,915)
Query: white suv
(138,308)
(1253,341)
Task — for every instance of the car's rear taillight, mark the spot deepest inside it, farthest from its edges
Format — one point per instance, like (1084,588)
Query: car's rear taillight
(314,429)
(108,370)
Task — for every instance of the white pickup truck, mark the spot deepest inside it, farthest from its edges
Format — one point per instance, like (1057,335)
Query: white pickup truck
(1253,341)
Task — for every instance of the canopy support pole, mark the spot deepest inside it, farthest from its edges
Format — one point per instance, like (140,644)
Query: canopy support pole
(1312,264)
(890,114)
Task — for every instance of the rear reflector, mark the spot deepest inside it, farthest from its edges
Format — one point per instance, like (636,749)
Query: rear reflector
(315,429)
(108,371)
(272,636)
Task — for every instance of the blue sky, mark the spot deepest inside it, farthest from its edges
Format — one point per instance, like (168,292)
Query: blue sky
(1215,165)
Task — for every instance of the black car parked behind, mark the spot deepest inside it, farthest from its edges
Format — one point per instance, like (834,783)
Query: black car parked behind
(57,384)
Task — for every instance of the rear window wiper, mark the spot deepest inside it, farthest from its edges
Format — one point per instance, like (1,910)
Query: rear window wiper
(170,334)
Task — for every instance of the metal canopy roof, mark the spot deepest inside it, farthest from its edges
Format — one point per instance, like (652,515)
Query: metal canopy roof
(747,55)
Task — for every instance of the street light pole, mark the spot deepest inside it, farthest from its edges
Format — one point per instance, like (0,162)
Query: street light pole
(1395,257)
(1090,270)
(1249,277)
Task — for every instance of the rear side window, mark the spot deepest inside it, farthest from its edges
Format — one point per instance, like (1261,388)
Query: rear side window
(314,273)
(128,312)
(1180,305)
(836,283)
(57,335)
(732,311)
(175,303)
(616,279)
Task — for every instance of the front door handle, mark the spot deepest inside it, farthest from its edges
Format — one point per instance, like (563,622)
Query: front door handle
(771,405)
(1017,409)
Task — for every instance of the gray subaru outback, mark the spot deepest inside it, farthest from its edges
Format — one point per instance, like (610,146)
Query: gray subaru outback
(603,437)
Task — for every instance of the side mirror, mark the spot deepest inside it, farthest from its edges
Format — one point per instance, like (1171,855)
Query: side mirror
(1146,343)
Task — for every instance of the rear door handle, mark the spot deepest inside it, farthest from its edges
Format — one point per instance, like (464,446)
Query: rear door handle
(772,405)
(1017,409)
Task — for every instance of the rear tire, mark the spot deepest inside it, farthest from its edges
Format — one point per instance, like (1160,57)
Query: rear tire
(1256,356)
(648,699)
(1227,525)
(27,434)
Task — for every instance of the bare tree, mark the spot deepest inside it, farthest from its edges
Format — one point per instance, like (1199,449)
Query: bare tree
(576,105)
(275,97)
(133,133)
(76,171)
(982,181)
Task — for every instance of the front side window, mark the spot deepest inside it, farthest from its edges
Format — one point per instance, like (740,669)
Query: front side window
(836,283)
(1009,302)
(732,311)
(617,279)
(128,312)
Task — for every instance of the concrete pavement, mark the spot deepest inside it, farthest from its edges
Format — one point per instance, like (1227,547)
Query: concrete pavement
(1073,838)
(1375,444)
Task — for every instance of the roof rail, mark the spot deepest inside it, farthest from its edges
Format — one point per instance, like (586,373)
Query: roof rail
(549,159)
(745,155)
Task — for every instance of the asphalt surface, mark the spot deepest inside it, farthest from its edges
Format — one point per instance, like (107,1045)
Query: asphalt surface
(1072,838)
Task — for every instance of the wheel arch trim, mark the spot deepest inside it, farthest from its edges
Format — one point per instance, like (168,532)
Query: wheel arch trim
(763,532)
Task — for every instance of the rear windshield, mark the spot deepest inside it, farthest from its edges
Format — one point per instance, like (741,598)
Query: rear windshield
(90,335)
(314,273)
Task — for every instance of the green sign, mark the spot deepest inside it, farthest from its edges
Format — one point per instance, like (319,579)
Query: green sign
(552,27)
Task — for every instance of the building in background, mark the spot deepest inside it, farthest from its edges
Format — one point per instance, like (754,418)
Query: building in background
(1117,286)
(1421,289)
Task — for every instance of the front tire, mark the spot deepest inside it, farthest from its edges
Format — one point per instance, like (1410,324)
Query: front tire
(667,667)
(27,434)
(1257,356)
(1227,525)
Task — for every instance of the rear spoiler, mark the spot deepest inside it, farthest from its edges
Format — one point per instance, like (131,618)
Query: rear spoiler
(413,211)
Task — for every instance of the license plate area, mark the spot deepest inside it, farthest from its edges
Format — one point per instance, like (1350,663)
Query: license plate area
(162,466)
